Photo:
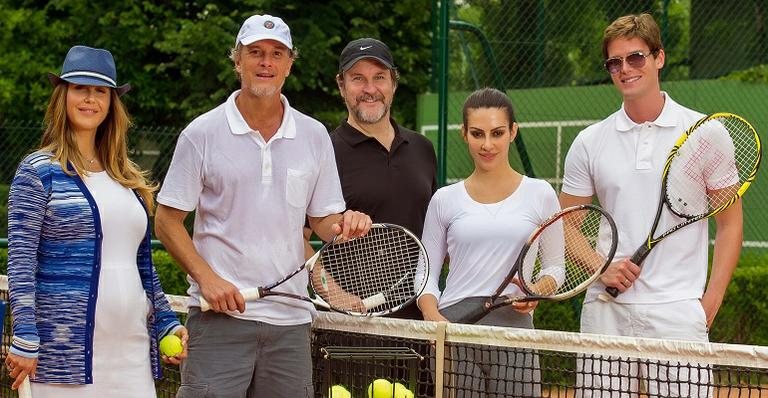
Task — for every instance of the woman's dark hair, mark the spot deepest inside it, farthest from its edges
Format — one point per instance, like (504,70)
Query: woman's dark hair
(488,98)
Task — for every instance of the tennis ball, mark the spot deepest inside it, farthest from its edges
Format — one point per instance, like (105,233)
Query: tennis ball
(170,345)
(339,391)
(381,388)
(402,391)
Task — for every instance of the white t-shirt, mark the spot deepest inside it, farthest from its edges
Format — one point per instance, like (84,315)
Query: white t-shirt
(482,240)
(621,163)
(251,198)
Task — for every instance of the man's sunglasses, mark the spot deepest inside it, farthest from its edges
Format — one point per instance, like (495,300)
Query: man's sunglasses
(635,60)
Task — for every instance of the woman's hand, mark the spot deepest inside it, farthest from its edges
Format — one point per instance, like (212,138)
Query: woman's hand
(427,303)
(19,368)
(182,334)
(525,307)
(434,316)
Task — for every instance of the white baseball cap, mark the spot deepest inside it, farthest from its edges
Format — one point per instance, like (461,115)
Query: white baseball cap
(264,27)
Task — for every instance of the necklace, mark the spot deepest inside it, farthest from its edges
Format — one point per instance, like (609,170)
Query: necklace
(92,160)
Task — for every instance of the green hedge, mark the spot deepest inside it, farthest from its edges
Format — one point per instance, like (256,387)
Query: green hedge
(173,279)
(744,312)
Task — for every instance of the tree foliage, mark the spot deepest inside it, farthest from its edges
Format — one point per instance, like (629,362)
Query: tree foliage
(175,53)
(542,43)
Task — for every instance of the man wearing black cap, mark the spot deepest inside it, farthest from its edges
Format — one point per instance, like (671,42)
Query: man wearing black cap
(386,170)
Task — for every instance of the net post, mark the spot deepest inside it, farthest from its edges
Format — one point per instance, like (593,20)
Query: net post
(440,358)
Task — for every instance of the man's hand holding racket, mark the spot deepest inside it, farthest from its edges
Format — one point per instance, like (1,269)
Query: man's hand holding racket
(620,275)
(353,224)
(221,295)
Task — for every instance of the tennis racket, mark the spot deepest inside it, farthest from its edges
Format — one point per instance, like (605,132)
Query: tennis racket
(560,259)
(373,275)
(708,169)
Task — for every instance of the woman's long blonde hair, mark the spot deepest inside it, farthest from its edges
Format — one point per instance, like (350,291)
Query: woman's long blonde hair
(111,144)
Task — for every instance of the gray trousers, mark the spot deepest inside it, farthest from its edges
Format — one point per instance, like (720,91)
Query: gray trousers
(230,358)
(477,371)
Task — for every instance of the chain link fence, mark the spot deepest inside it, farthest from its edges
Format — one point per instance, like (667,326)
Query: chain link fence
(547,55)
(150,147)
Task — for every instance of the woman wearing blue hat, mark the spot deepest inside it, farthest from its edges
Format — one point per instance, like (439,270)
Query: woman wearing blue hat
(87,304)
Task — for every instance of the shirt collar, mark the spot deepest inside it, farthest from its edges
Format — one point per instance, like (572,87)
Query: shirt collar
(665,119)
(354,136)
(238,126)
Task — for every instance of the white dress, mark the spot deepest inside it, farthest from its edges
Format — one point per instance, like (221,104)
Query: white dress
(121,362)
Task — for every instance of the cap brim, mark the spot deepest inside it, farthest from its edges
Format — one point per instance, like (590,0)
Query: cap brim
(352,62)
(254,38)
(88,81)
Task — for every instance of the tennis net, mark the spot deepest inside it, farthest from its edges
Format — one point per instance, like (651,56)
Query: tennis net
(481,361)
(451,360)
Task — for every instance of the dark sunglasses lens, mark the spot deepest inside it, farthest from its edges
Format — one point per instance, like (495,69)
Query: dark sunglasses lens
(636,60)
(613,65)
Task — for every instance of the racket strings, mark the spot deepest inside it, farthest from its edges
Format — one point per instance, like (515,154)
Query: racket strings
(568,254)
(712,166)
(376,270)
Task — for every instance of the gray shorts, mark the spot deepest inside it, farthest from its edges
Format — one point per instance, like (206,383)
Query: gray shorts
(504,316)
(483,371)
(230,357)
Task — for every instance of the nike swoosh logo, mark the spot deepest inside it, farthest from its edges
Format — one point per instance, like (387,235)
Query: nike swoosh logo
(364,48)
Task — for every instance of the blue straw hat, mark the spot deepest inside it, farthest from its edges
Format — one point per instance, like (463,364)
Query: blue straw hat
(91,67)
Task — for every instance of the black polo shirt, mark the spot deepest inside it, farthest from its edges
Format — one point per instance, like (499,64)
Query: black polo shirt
(392,186)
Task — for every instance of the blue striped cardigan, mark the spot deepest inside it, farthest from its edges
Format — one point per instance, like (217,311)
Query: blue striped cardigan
(54,252)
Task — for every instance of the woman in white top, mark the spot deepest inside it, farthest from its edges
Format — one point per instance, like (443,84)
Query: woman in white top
(87,304)
(481,224)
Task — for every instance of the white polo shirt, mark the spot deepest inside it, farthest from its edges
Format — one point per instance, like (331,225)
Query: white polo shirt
(621,162)
(251,198)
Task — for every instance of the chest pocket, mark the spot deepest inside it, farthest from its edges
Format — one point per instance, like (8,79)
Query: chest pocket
(297,187)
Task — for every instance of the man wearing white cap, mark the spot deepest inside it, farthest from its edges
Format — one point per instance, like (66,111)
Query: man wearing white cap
(252,169)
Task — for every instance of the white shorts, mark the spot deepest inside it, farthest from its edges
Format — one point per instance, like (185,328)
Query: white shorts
(680,320)
(627,376)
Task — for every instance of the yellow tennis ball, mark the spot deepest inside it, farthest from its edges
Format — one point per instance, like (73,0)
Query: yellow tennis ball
(381,388)
(402,391)
(339,391)
(170,345)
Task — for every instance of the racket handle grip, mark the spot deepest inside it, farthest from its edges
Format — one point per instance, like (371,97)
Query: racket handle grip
(248,295)
(612,293)
(374,301)
(25,389)
(640,254)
